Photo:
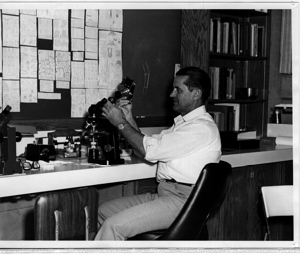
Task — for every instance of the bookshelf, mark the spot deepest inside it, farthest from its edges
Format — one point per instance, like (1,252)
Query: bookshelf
(238,60)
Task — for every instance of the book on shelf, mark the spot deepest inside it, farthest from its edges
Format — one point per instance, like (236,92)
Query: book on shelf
(223,82)
(211,36)
(261,47)
(214,80)
(232,36)
(215,35)
(251,134)
(253,40)
(225,37)
(236,114)
(241,40)
(228,115)
(230,84)
(219,119)
(261,10)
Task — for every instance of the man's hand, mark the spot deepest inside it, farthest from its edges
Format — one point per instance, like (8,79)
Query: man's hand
(113,114)
(126,106)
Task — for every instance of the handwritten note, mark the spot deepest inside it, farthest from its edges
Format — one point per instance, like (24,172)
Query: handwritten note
(62,84)
(77,32)
(77,23)
(28,11)
(11,63)
(45,13)
(77,13)
(45,28)
(11,94)
(63,65)
(110,59)
(77,44)
(60,35)
(91,32)
(10,30)
(91,45)
(28,90)
(46,65)
(111,20)
(49,96)
(61,14)
(78,103)
(46,86)
(91,17)
(91,55)
(28,62)
(91,74)
(11,11)
(28,31)
(77,74)
(77,56)
(93,96)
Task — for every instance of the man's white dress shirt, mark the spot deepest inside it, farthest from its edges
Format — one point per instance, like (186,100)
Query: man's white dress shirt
(185,148)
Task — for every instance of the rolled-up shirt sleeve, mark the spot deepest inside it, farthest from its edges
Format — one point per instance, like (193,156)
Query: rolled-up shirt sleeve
(178,143)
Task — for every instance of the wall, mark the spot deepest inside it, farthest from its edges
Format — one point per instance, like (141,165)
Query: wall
(280,85)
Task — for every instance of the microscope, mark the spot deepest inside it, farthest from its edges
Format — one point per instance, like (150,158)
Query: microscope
(8,138)
(103,136)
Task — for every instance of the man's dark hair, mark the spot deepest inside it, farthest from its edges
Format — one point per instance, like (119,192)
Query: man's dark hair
(197,78)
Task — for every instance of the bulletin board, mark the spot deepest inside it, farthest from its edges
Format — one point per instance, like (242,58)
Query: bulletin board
(150,50)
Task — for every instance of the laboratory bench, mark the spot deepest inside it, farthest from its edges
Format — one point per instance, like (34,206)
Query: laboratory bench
(239,217)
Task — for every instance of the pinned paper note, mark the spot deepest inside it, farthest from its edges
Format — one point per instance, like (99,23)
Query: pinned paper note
(46,86)
(60,35)
(11,94)
(111,20)
(11,30)
(46,64)
(91,17)
(78,103)
(28,90)
(28,30)
(77,74)
(11,63)
(28,62)
(49,96)
(45,28)
(91,74)
(63,65)
(110,59)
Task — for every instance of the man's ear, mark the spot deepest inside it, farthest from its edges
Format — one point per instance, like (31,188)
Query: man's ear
(198,94)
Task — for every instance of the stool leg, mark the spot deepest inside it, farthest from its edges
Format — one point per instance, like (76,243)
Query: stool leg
(87,222)
(57,222)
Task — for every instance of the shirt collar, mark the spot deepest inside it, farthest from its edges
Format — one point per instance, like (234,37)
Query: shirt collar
(196,113)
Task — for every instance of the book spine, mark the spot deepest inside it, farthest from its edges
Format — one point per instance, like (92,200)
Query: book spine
(218,36)
(211,35)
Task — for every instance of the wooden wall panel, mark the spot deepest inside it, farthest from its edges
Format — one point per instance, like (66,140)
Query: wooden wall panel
(195,38)
(240,217)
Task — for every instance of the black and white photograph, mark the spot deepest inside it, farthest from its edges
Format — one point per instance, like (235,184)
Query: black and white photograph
(149,126)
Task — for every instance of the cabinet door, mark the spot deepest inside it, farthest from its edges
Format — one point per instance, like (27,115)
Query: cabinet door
(240,217)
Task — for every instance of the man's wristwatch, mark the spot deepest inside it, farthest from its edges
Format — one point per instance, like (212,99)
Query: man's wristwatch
(121,126)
